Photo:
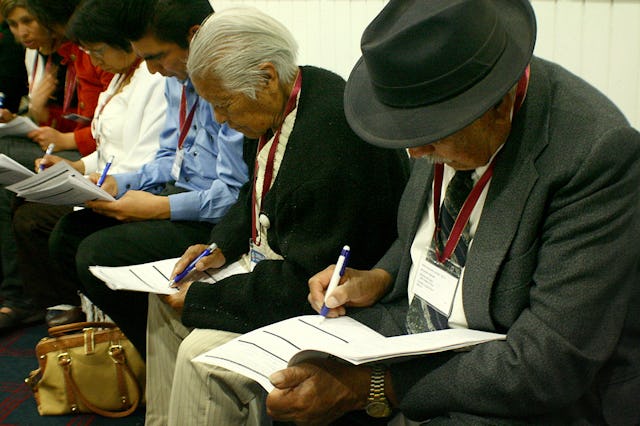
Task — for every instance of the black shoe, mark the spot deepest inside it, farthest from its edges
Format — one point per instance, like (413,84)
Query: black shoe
(56,317)
(17,318)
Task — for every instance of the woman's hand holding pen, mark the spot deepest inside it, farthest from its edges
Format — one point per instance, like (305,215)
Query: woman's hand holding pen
(357,289)
(47,161)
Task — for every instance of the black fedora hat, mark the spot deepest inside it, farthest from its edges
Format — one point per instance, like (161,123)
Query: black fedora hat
(431,67)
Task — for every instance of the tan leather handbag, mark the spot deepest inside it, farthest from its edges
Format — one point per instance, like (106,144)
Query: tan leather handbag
(87,367)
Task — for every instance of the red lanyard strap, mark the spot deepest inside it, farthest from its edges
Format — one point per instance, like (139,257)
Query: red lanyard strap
(269,167)
(70,83)
(463,215)
(185,123)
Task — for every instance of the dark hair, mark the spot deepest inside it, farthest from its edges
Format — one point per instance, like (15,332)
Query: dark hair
(166,20)
(98,21)
(7,6)
(52,12)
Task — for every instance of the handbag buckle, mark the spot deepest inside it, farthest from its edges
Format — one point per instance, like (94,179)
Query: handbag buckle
(115,352)
(64,358)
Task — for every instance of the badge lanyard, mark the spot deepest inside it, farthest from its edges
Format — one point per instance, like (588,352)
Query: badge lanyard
(95,123)
(118,85)
(268,172)
(185,123)
(185,126)
(463,215)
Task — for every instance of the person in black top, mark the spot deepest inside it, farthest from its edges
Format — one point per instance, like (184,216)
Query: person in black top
(13,76)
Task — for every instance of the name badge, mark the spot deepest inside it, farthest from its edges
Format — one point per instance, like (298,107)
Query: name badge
(437,283)
(77,118)
(177,165)
(257,255)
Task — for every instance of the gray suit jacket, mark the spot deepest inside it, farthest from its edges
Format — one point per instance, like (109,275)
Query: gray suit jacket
(553,264)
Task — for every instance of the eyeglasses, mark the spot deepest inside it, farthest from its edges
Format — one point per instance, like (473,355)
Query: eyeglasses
(96,53)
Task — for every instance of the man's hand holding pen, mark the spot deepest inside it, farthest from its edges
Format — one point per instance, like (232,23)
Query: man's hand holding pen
(109,183)
(357,289)
(213,260)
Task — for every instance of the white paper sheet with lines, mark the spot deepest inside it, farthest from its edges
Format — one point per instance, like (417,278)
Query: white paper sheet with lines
(153,277)
(260,353)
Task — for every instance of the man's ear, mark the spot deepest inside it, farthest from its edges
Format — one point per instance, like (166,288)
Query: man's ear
(504,110)
(192,32)
(270,75)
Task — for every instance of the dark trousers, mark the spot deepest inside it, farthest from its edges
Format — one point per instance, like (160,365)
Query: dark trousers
(12,294)
(84,238)
(32,225)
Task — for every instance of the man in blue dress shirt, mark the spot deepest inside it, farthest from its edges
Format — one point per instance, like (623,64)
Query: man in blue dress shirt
(171,202)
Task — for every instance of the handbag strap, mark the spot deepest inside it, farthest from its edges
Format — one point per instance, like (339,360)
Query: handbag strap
(117,354)
(76,326)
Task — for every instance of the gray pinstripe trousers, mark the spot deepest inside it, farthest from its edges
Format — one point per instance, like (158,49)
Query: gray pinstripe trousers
(180,392)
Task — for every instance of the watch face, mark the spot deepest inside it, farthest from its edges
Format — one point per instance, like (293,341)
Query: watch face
(377,409)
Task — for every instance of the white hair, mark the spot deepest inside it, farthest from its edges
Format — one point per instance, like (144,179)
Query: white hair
(231,45)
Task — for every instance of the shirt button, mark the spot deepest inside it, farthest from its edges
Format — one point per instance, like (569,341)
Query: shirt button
(81,105)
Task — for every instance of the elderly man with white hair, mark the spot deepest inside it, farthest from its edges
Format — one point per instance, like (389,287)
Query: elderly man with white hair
(316,186)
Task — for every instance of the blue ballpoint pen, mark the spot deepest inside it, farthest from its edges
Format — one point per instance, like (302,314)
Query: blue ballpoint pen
(103,176)
(49,151)
(338,272)
(192,265)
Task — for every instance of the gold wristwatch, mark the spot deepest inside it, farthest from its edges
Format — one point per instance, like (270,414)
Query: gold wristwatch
(377,403)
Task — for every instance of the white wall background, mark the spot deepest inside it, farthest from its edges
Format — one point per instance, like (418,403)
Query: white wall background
(597,39)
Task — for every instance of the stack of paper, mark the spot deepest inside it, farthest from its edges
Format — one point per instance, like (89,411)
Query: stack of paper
(261,352)
(11,171)
(19,126)
(60,184)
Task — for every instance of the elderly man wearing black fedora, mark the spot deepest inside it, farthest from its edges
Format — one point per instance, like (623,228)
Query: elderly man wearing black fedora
(544,249)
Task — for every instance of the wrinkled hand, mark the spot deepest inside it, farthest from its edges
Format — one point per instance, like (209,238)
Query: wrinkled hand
(134,206)
(176,300)
(318,392)
(357,289)
(215,260)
